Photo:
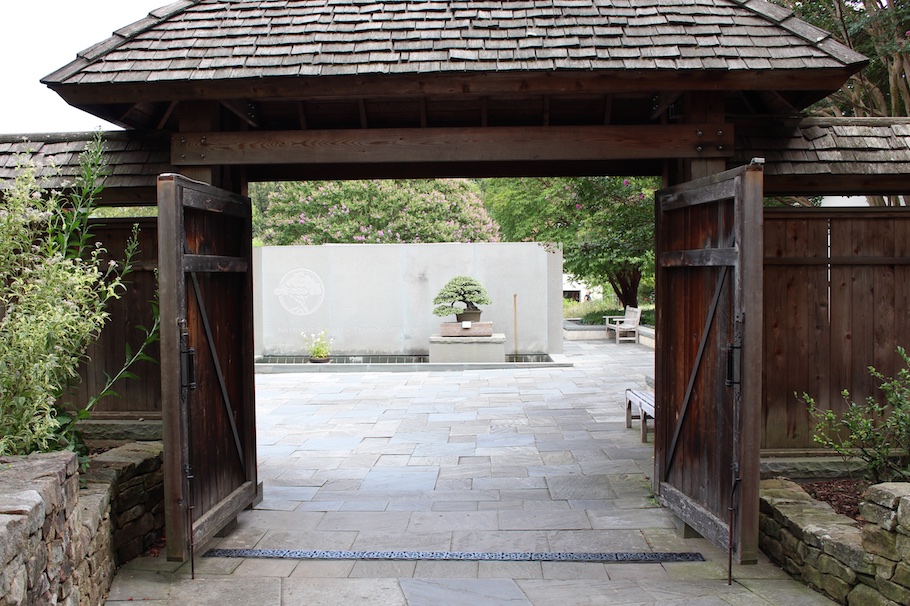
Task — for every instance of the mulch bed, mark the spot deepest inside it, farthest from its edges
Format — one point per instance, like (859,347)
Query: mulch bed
(843,494)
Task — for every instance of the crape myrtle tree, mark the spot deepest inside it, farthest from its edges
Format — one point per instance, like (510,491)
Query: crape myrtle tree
(604,225)
(373,212)
(880,30)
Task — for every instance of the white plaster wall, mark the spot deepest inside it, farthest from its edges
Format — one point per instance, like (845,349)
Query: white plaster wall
(378,298)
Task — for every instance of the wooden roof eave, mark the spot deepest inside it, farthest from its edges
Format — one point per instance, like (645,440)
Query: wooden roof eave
(815,82)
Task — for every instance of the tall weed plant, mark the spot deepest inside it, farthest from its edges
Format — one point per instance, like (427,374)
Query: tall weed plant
(54,287)
(878,433)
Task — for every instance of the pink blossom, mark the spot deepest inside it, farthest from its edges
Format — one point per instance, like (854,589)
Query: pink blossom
(578,207)
(626,182)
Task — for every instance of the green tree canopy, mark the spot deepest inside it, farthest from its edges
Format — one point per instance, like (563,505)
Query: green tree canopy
(605,225)
(392,211)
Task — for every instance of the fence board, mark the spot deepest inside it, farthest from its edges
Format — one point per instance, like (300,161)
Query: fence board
(138,398)
(821,337)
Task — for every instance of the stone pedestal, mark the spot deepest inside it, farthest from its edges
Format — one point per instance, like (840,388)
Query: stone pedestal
(468,349)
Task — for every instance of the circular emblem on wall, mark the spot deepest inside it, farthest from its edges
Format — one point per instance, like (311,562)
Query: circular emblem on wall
(301,291)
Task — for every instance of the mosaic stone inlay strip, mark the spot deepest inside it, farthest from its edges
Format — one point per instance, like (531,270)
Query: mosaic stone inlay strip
(526,556)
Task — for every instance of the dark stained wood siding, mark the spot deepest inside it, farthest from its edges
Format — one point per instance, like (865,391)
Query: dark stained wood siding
(139,398)
(820,338)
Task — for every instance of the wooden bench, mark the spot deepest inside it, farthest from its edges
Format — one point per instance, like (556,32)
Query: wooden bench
(644,402)
(626,326)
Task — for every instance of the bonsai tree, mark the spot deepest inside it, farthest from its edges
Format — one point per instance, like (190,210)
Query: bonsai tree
(460,289)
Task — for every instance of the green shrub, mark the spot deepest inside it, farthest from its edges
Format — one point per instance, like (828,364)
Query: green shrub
(54,287)
(877,433)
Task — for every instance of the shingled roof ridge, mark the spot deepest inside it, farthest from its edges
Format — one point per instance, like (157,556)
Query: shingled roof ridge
(119,37)
(852,120)
(785,18)
(62,137)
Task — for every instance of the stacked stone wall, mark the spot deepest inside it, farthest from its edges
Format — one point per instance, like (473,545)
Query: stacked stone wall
(856,564)
(59,543)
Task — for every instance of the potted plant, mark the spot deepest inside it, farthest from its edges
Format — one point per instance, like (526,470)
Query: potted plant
(318,347)
(465,290)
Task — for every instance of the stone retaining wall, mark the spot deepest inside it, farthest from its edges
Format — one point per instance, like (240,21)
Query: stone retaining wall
(60,544)
(859,566)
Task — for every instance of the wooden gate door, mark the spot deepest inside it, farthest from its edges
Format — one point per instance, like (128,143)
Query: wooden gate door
(709,355)
(207,392)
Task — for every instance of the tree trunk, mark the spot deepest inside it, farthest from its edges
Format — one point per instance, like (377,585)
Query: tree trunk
(625,284)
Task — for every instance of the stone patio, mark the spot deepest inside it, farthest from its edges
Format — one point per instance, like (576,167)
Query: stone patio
(508,460)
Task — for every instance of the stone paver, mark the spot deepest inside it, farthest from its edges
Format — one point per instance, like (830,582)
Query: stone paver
(471,460)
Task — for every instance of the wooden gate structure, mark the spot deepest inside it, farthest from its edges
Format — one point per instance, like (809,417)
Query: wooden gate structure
(325,90)
(206,305)
(709,319)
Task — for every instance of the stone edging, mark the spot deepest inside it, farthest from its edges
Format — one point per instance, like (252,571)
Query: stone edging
(60,544)
(859,566)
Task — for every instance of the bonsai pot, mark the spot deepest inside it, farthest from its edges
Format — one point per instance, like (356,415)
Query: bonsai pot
(468,315)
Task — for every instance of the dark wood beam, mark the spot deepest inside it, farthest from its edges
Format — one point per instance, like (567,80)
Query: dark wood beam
(167,114)
(839,185)
(662,102)
(301,115)
(242,110)
(362,106)
(410,85)
(431,170)
(441,145)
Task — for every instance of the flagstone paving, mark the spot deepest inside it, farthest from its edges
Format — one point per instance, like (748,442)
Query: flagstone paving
(508,460)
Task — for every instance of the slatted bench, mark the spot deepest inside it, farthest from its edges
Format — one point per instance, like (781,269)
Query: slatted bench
(643,401)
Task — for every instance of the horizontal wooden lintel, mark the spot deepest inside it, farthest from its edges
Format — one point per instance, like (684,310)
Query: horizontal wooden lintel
(705,257)
(421,145)
(214,264)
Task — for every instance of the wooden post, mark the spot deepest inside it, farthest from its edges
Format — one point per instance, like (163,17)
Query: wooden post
(196,117)
(697,107)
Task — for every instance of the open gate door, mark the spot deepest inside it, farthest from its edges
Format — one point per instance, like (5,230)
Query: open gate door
(709,355)
(207,391)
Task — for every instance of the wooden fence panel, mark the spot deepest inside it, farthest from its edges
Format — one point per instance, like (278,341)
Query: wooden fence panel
(835,300)
(138,398)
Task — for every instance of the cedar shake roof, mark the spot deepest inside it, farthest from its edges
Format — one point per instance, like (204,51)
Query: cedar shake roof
(134,159)
(833,155)
(357,64)
(205,40)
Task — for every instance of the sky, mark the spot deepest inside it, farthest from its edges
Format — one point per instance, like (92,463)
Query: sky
(37,37)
